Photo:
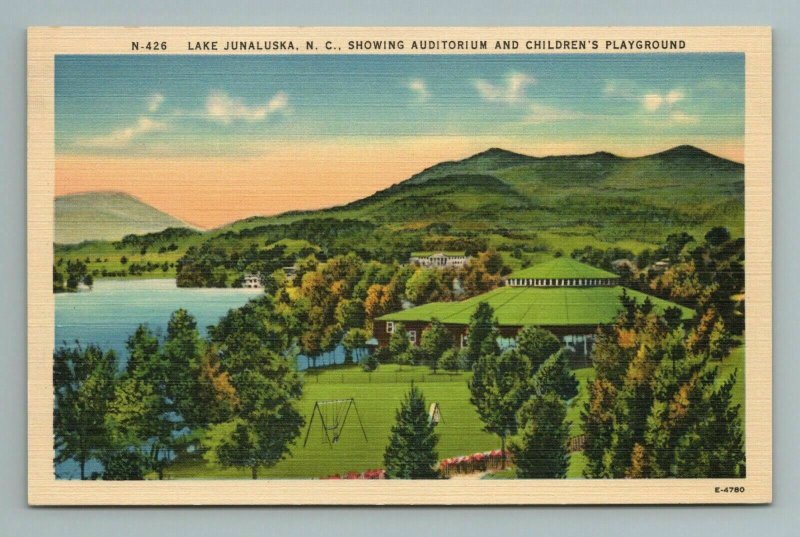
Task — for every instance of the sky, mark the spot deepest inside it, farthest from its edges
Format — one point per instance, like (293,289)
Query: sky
(213,139)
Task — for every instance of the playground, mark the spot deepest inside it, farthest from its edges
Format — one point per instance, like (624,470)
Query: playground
(377,396)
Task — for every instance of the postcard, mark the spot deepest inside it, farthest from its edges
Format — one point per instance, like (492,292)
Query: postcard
(426,266)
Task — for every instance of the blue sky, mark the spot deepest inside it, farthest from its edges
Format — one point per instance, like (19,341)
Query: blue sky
(227,105)
(212,139)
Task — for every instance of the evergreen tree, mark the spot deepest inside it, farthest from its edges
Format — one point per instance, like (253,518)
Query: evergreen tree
(411,452)
(598,426)
(720,341)
(399,345)
(143,408)
(482,336)
(723,434)
(555,376)
(370,363)
(124,465)
(133,419)
(242,450)
(83,382)
(182,352)
(541,452)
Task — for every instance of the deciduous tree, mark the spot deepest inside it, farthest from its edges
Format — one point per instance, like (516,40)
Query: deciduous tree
(83,382)
(267,420)
(497,389)
(435,340)
(353,340)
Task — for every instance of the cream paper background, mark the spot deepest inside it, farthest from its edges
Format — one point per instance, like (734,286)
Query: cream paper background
(777,519)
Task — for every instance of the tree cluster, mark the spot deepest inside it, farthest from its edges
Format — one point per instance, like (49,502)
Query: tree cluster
(657,407)
(75,273)
(175,392)
(523,391)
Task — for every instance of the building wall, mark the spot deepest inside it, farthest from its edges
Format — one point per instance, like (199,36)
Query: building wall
(380,333)
(458,330)
(437,261)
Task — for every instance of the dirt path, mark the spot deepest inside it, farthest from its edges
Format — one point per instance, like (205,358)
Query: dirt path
(473,475)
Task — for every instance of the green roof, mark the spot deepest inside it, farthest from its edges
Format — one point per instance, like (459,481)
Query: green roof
(538,306)
(562,267)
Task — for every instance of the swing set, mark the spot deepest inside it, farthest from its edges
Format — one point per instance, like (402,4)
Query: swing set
(333,416)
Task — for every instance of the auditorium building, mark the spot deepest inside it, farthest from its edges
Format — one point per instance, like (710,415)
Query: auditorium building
(566,297)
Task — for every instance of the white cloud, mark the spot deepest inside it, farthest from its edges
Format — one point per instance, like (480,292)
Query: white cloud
(155,102)
(512,90)
(420,88)
(653,101)
(222,108)
(674,96)
(123,137)
(279,101)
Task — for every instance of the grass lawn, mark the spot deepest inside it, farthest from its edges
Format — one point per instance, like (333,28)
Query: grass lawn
(584,376)
(378,396)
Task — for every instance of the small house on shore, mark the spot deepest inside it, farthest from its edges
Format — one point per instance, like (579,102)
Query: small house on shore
(252,281)
(566,297)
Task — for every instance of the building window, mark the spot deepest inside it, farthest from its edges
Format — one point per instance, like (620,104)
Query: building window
(464,340)
(389,327)
(412,336)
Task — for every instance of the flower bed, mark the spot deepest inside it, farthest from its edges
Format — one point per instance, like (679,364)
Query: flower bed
(377,473)
(468,464)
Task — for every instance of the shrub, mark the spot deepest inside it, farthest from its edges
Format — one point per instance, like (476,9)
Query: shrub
(370,362)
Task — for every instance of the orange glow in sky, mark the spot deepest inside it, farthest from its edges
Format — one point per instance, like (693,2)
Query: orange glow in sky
(209,192)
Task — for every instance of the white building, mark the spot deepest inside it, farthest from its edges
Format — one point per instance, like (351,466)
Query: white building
(252,281)
(440,259)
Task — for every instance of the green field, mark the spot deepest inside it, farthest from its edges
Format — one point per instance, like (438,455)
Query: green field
(102,255)
(377,397)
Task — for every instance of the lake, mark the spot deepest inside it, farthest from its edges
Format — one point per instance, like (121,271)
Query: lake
(108,314)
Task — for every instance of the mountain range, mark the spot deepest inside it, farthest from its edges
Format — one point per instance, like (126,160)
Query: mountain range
(106,216)
(601,195)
